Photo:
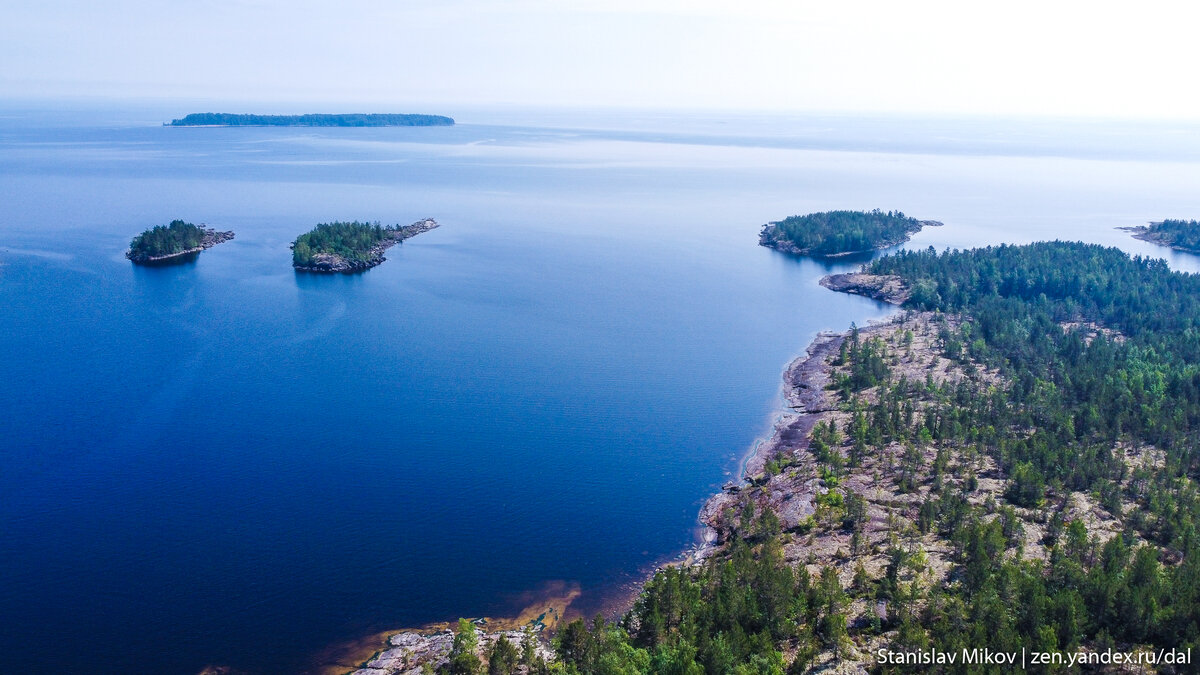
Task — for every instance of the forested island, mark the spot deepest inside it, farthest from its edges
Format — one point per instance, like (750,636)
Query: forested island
(1009,464)
(350,246)
(1182,235)
(163,243)
(836,233)
(312,120)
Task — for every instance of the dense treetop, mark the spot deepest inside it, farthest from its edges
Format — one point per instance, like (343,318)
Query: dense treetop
(163,240)
(352,241)
(831,233)
(312,120)
(1141,297)
(1136,380)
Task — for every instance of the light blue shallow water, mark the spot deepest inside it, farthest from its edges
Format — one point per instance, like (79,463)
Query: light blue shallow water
(225,462)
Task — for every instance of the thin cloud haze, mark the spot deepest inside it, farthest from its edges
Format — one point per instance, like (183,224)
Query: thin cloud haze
(1068,58)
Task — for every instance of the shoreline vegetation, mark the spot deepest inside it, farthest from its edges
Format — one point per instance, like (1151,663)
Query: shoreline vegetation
(310,120)
(833,234)
(1006,463)
(1181,235)
(347,247)
(166,243)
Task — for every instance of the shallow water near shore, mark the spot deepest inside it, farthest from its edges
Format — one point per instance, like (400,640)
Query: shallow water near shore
(225,462)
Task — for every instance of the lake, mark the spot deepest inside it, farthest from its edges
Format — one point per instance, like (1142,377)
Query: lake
(227,462)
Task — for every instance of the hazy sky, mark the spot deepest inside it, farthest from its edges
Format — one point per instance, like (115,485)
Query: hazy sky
(1018,56)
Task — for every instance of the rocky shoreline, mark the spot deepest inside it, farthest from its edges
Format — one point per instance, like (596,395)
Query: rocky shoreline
(332,263)
(807,400)
(886,288)
(412,652)
(804,383)
(210,239)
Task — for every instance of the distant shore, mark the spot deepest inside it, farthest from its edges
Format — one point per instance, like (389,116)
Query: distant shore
(311,120)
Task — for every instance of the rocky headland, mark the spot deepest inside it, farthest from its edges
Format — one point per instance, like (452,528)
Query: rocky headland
(419,652)
(886,288)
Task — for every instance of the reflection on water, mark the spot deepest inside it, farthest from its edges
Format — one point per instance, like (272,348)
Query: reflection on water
(174,261)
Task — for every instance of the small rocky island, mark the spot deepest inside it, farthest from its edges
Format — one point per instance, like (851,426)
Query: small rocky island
(312,120)
(830,234)
(163,244)
(1181,235)
(350,246)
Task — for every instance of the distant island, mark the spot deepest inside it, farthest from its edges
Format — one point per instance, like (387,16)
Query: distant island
(350,247)
(836,233)
(1181,235)
(163,243)
(349,120)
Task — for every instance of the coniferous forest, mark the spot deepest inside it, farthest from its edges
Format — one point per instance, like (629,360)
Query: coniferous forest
(173,241)
(1068,374)
(169,239)
(352,241)
(1099,354)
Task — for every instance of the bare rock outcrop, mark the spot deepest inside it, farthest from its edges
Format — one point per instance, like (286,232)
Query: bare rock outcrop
(886,287)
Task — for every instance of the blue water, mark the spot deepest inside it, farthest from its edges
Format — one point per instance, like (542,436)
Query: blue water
(225,462)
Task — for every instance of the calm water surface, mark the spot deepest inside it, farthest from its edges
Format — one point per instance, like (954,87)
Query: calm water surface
(225,462)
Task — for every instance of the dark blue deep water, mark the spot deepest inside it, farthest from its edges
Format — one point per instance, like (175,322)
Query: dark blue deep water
(225,462)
